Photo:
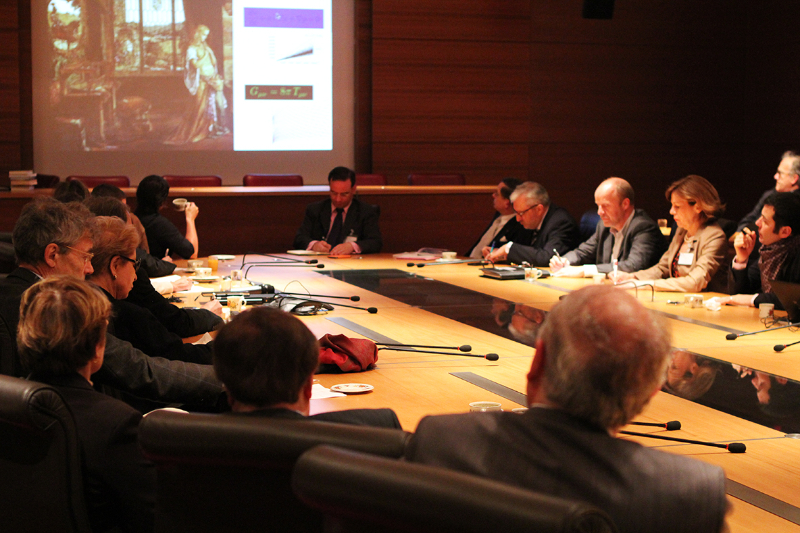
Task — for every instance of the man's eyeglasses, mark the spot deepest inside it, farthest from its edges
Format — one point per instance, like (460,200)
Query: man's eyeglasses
(87,256)
(521,213)
(788,174)
(136,262)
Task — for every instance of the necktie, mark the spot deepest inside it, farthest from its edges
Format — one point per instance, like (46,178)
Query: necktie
(334,236)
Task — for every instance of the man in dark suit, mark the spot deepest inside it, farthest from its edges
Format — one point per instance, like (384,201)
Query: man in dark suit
(51,238)
(552,228)
(504,227)
(266,358)
(787,179)
(777,258)
(600,357)
(626,235)
(343,224)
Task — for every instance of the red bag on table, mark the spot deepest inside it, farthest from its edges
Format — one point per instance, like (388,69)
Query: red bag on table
(346,354)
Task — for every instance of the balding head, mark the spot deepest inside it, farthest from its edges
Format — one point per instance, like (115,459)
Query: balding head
(600,356)
(614,199)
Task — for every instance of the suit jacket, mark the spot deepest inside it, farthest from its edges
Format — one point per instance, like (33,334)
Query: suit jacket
(125,368)
(120,484)
(181,321)
(552,452)
(361,222)
(748,280)
(384,418)
(709,247)
(142,329)
(512,231)
(642,246)
(559,231)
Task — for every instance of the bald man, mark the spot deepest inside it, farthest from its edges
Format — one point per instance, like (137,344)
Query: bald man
(600,357)
(625,233)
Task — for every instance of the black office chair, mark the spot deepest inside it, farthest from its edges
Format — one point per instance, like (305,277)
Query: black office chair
(358,493)
(40,466)
(231,473)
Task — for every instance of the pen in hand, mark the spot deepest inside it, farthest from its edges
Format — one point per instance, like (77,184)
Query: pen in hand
(616,269)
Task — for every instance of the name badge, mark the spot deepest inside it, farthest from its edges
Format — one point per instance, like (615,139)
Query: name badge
(685,259)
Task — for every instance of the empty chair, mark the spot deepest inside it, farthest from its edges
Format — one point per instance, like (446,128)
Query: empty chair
(94,181)
(42,488)
(194,181)
(232,472)
(436,179)
(371,179)
(360,492)
(46,181)
(273,180)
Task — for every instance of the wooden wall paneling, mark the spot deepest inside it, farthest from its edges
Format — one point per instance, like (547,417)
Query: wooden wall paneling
(655,22)
(571,172)
(463,20)
(363,89)
(25,85)
(482,163)
(631,94)
(8,14)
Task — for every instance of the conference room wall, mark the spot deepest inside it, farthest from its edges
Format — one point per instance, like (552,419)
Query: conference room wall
(527,88)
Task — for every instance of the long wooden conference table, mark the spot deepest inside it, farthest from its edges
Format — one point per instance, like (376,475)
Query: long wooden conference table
(764,482)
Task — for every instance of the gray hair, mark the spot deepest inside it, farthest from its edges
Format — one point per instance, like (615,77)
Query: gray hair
(45,221)
(532,191)
(794,157)
(605,355)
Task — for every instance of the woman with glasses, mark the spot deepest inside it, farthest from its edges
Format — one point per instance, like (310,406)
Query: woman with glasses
(115,264)
(699,246)
(62,337)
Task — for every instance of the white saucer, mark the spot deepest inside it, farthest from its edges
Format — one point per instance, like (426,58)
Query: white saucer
(223,257)
(352,388)
(204,279)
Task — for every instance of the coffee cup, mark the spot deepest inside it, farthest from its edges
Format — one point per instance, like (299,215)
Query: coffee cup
(449,256)
(484,407)
(194,263)
(180,203)
(202,271)
(766,310)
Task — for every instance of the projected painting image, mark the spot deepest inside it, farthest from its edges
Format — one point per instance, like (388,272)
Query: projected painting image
(143,75)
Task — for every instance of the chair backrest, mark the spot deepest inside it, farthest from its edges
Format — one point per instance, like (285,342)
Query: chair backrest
(232,472)
(40,466)
(273,180)
(436,179)
(94,181)
(362,492)
(371,179)
(46,181)
(588,224)
(194,181)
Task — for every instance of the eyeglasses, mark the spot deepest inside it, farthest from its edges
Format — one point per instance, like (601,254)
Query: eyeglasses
(87,256)
(521,213)
(136,262)
(789,174)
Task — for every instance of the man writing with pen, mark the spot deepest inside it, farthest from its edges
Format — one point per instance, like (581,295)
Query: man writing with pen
(552,228)
(343,224)
(627,237)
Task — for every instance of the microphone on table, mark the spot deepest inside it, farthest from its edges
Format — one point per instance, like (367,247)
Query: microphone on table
(351,298)
(262,289)
(276,265)
(734,336)
(370,310)
(293,260)
(780,347)
(733,447)
(462,348)
(488,356)
(453,262)
(669,426)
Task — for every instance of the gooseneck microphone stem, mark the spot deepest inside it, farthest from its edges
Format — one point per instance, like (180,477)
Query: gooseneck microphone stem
(462,348)
(488,356)
(352,298)
(733,336)
(780,347)
(733,447)
(669,426)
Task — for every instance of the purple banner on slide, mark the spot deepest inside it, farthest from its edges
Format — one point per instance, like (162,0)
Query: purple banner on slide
(263,17)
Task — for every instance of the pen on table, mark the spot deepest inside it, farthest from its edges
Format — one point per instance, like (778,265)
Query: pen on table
(616,268)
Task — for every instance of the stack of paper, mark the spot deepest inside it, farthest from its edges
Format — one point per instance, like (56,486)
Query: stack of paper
(22,180)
